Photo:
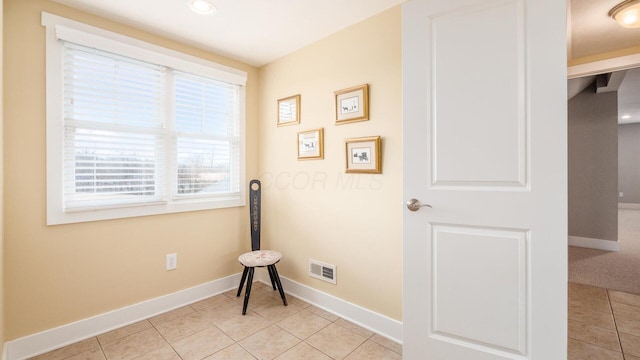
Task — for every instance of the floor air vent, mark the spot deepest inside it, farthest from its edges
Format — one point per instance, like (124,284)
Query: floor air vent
(322,271)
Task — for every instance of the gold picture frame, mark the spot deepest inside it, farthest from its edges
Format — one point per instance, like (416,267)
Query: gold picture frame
(352,104)
(289,110)
(311,144)
(364,155)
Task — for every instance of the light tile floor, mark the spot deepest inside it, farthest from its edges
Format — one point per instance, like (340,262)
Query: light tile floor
(603,324)
(214,329)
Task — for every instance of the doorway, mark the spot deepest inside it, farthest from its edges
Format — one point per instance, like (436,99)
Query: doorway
(600,309)
(604,174)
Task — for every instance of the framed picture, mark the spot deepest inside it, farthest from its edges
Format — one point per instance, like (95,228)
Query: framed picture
(352,104)
(363,155)
(310,144)
(289,110)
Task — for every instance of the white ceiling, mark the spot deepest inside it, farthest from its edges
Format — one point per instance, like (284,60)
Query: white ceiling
(252,31)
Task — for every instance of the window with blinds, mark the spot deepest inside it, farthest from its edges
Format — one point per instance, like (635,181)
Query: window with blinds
(138,132)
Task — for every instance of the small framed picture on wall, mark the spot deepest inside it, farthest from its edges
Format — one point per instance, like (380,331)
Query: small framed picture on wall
(289,110)
(352,104)
(364,155)
(310,144)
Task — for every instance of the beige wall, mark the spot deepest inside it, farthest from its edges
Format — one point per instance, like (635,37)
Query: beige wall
(60,274)
(312,209)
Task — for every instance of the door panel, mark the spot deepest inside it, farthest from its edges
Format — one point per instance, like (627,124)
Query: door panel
(488,291)
(460,94)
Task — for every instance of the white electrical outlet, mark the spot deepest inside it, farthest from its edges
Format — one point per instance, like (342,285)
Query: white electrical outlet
(620,194)
(172,261)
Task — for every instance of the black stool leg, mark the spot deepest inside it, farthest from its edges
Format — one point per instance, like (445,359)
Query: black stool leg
(244,277)
(277,277)
(248,291)
(273,282)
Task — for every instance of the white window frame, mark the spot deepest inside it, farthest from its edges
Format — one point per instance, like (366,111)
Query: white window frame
(59,29)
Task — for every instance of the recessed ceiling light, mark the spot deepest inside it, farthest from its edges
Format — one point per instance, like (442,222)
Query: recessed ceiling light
(202,7)
(625,117)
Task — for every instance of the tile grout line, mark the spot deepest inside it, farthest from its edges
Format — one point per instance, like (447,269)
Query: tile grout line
(354,350)
(224,333)
(101,345)
(303,340)
(101,349)
(616,317)
(163,337)
(615,324)
(316,332)
(235,342)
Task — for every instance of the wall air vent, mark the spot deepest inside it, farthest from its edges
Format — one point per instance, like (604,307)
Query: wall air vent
(322,271)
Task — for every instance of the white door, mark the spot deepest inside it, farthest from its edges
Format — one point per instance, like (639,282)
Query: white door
(485,136)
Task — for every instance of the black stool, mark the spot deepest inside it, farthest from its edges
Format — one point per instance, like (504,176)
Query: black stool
(258,258)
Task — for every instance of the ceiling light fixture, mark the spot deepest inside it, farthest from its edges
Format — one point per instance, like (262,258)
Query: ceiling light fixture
(627,13)
(625,117)
(203,7)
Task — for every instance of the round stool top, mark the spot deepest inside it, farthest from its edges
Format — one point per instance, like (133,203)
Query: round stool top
(259,258)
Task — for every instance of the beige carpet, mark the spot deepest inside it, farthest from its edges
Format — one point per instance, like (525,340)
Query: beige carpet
(612,270)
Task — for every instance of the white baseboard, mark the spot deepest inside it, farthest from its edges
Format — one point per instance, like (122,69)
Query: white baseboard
(52,339)
(608,245)
(378,323)
(629,206)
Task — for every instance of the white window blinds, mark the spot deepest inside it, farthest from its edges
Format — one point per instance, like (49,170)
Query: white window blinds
(114,134)
(207,138)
